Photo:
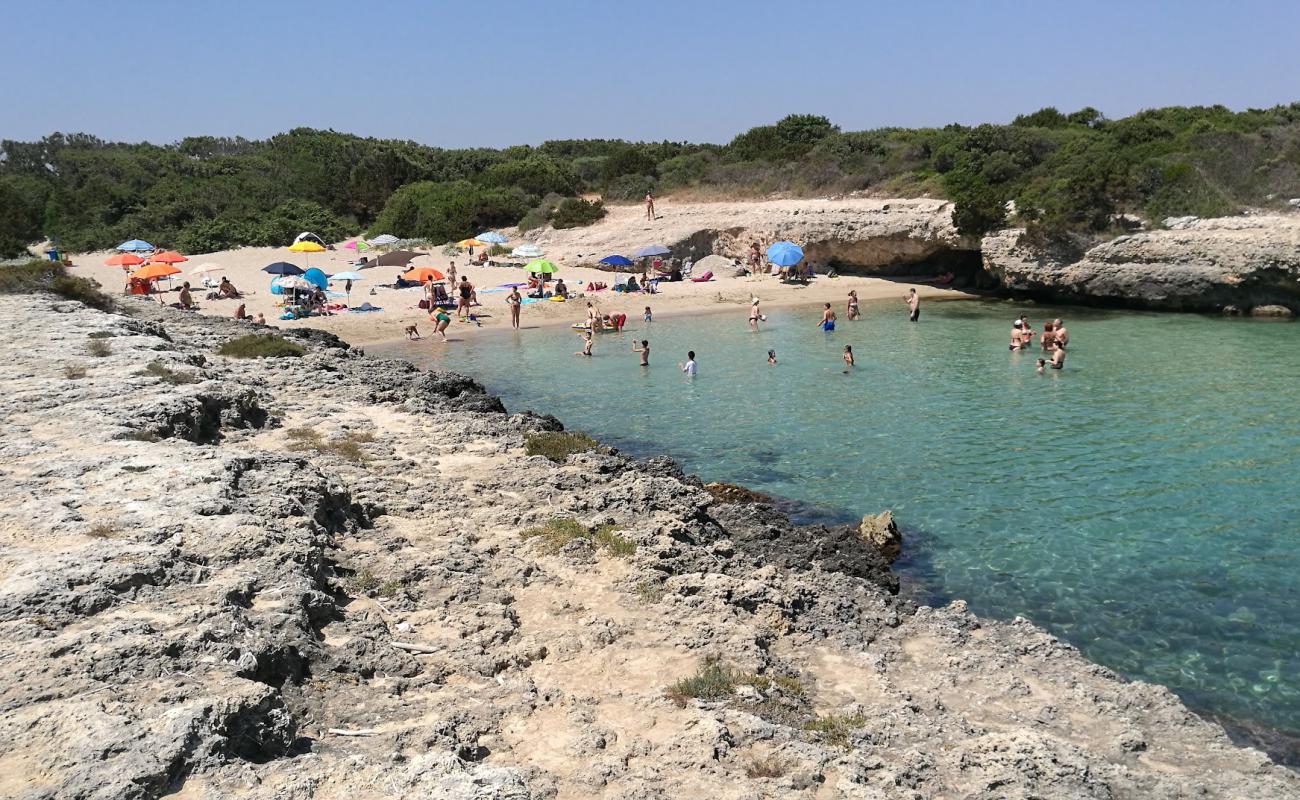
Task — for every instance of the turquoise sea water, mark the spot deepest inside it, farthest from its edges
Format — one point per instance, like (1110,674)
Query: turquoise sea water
(1142,503)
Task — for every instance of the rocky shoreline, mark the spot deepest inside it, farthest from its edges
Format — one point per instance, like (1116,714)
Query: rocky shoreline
(333,576)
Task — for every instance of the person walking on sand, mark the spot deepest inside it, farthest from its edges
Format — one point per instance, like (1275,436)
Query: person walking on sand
(644,350)
(649,205)
(689,367)
(852,310)
(828,319)
(466,291)
(514,300)
(913,305)
(451,274)
(848,357)
(586,344)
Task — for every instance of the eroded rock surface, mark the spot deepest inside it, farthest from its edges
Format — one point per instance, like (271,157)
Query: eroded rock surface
(305,578)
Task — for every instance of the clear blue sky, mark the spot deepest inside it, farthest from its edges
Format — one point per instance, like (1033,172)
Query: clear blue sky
(504,72)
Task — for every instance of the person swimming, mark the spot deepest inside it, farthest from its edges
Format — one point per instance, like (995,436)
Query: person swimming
(828,319)
(771,356)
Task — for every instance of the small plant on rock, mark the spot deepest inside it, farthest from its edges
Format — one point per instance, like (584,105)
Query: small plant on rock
(74,372)
(835,729)
(557,532)
(98,348)
(258,345)
(162,372)
(347,447)
(102,531)
(765,767)
(558,445)
(363,583)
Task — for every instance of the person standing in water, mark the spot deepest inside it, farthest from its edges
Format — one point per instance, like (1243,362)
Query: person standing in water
(586,344)
(649,205)
(848,357)
(689,367)
(1062,335)
(755,315)
(515,301)
(852,309)
(648,316)
(828,319)
(913,305)
(644,350)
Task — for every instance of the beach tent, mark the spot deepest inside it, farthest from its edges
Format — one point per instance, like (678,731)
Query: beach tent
(135,246)
(282,268)
(616,261)
(397,258)
(316,278)
(527,251)
(308,236)
(491,237)
(785,254)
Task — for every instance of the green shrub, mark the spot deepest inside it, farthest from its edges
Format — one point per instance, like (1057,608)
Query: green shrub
(162,372)
(558,445)
(449,211)
(835,729)
(98,348)
(52,276)
(557,532)
(261,345)
(574,212)
(712,681)
(347,447)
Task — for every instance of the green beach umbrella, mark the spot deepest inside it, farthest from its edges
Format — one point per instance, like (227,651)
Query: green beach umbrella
(542,266)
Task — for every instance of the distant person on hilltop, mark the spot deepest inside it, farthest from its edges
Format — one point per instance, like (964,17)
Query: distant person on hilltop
(649,205)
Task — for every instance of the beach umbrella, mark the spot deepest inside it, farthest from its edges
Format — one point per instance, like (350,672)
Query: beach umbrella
(306,246)
(423,275)
(652,250)
(356,244)
(294,282)
(151,272)
(169,257)
(282,268)
(491,237)
(207,269)
(135,246)
(527,251)
(384,239)
(785,254)
(124,260)
(347,276)
(617,261)
(542,267)
(471,243)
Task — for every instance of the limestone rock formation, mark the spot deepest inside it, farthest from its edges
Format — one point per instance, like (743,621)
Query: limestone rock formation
(334,577)
(1196,265)
(881,532)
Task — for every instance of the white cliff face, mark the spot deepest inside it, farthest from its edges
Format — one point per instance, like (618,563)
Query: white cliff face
(1199,265)
(199,599)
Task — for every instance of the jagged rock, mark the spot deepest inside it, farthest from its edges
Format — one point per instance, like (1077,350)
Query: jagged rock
(881,532)
(1271,311)
(731,493)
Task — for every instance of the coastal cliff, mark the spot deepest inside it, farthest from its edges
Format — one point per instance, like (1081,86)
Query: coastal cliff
(1197,265)
(331,576)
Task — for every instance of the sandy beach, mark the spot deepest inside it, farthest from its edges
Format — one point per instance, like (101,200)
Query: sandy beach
(569,250)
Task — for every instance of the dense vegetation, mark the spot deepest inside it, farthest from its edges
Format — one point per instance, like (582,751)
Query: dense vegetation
(1077,172)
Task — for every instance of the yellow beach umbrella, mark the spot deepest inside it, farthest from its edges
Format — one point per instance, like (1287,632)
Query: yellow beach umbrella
(306,246)
(471,243)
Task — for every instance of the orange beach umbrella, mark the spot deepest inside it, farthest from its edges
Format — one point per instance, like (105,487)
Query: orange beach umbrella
(169,257)
(151,272)
(423,275)
(124,260)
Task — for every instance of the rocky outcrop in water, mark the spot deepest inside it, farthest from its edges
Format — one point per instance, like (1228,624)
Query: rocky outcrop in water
(336,577)
(1197,265)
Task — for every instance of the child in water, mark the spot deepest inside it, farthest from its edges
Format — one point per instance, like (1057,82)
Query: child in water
(647,314)
(848,357)
(586,344)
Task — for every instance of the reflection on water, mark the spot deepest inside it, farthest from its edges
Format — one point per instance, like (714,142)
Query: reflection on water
(1141,503)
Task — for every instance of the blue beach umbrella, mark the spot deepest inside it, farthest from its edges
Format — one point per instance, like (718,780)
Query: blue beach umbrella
(491,237)
(282,268)
(347,276)
(785,254)
(652,250)
(135,246)
(617,261)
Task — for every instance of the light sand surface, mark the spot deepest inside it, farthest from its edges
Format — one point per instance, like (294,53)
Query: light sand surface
(567,249)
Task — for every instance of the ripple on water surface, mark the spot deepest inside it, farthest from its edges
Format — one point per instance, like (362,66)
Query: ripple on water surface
(1142,503)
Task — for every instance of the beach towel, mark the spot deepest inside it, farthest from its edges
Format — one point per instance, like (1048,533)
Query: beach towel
(366,307)
(705,278)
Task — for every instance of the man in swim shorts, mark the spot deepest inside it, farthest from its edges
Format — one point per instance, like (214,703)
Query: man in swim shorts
(828,319)
(913,305)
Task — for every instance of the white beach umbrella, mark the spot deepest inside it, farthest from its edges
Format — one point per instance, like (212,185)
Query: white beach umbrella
(207,268)
(527,251)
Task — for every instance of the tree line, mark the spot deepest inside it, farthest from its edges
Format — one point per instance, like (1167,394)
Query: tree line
(1063,175)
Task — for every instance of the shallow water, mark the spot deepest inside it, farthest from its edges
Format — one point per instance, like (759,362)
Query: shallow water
(1141,504)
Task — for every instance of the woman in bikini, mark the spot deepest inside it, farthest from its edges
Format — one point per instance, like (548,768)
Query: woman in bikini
(754,315)
(852,309)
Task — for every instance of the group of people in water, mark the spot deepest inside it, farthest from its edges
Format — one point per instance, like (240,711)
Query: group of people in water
(1054,340)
